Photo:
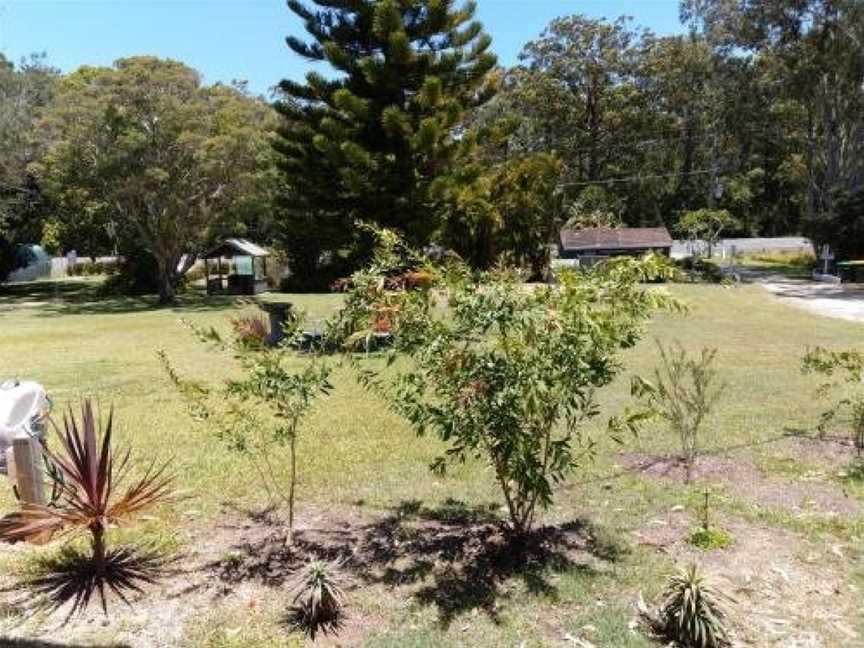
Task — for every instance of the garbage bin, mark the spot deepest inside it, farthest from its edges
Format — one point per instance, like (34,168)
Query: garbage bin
(24,409)
(850,271)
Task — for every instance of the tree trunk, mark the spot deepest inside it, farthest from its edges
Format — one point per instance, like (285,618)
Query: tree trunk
(593,126)
(687,164)
(167,283)
(167,292)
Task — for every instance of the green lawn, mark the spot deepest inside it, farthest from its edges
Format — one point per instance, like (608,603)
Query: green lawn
(359,460)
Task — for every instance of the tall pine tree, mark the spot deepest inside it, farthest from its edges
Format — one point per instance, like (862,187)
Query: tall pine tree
(366,142)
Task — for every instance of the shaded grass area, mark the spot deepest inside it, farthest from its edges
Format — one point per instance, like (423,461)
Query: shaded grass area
(355,453)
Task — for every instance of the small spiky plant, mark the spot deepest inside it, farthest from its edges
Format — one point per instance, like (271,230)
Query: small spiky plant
(692,613)
(90,502)
(318,598)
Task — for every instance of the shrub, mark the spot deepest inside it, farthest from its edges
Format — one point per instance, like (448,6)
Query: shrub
(250,331)
(850,365)
(684,393)
(91,502)
(710,539)
(706,537)
(92,268)
(699,270)
(318,601)
(843,226)
(137,272)
(261,412)
(510,373)
(396,283)
(706,224)
(692,612)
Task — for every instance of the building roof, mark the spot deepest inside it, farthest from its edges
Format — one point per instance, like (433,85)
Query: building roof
(603,238)
(236,247)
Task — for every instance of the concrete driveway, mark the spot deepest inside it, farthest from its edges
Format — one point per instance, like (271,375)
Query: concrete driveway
(843,301)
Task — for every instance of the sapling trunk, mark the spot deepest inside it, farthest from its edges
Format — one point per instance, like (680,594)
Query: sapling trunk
(859,429)
(291,485)
(515,502)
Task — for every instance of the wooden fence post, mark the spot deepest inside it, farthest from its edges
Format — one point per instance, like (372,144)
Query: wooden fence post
(29,470)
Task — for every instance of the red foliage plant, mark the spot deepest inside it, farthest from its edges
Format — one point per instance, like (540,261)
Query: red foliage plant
(250,331)
(91,500)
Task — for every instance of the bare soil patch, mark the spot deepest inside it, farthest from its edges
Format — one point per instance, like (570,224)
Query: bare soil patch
(788,591)
(741,478)
(831,451)
(453,558)
(708,467)
(155,618)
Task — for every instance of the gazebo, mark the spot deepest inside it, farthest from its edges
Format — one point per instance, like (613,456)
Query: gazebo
(236,267)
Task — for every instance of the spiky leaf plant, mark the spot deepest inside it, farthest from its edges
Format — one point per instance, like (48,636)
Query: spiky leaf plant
(92,499)
(73,575)
(692,612)
(318,598)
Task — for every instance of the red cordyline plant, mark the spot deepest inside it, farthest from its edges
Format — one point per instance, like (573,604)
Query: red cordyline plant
(92,499)
(250,331)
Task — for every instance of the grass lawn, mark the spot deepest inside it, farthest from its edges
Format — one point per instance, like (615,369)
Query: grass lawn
(795,265)
(792,505)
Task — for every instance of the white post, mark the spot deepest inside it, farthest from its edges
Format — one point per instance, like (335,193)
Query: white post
(28,470)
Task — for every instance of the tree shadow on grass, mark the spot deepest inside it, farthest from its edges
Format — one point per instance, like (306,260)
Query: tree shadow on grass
(40,290)
(454,557)
(84,297)
(471,567)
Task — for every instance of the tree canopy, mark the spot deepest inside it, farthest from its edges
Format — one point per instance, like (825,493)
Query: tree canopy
(756,112)
(170,162)
(25,90)
(812,52)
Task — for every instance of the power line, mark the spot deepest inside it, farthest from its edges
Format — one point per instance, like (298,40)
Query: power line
(653,176)
(642,143)
(603,146)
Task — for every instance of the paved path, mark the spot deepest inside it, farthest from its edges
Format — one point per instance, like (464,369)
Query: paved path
(844,301)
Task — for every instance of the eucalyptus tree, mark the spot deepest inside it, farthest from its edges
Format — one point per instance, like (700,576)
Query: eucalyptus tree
(815,49)
(25,89)
(587,69)
(171,162)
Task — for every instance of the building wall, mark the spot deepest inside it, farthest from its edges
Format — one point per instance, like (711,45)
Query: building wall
(602,254)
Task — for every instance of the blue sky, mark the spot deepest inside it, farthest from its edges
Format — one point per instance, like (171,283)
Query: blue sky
(244,39)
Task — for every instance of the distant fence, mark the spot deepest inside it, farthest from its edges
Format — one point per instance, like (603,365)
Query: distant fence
(55,268)
(725,247)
